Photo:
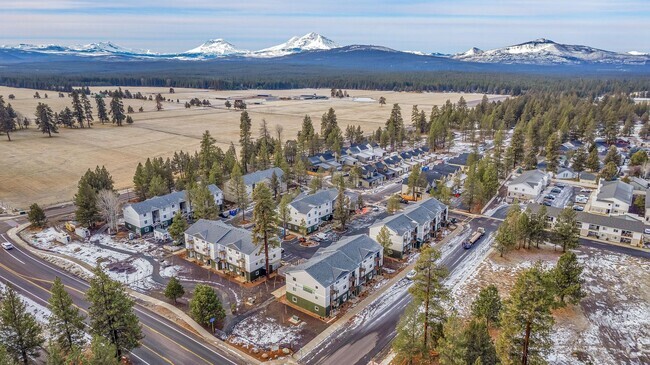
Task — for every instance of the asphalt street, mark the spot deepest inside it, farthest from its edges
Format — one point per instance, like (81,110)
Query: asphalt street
(164,342)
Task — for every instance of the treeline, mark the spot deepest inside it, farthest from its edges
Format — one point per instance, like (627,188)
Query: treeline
(491,83)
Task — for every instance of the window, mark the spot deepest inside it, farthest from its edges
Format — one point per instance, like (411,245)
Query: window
(316,308)
(294,299)
(145,221)
(616,230)
(316,287)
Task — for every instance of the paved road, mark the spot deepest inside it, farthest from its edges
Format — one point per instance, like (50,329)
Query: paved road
(164,342)
(364,342)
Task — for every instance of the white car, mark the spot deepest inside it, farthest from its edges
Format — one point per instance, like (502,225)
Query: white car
(581,199)
(411,274)
(7,245)
(584,190)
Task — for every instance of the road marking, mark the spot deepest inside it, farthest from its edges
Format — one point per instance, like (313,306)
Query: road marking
(159,355)
(9,253)
(138,357)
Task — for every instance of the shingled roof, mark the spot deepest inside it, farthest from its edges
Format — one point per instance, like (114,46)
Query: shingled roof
(218,232)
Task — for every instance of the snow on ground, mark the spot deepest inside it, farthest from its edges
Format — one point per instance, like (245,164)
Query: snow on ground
(612,323)
(89,253)
(172,271)
(41,312)
(138,279)
(380,305)
(265,332)
(490,212)
(69,266)
(134,246)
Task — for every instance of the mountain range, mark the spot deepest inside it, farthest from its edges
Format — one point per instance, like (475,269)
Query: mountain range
(536,52)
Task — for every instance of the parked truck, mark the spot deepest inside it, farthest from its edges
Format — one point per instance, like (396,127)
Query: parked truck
(474,237)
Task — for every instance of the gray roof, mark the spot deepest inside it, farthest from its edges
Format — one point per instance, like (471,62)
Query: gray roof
(419,214)
(223,234)
(399,223)
(257,176)
(330,263)
(622,222)
(615,189)
(587,176)
(159,202)
(306,202)
(432,204)
(214,189)
(530,177)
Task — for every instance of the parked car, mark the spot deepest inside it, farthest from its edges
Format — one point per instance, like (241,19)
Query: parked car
(549,197)
(585,190)
(7,245)
(581,199)
(561,186)
(556,190)
(453,220)
(411,274)
(547,203)
(578,208)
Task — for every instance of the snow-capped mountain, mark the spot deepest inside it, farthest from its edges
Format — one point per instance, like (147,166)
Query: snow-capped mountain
(309,42)
(637,53)
(544,51)
(215,48)
(92,49)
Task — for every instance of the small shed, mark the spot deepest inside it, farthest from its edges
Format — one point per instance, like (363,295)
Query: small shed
(161,235)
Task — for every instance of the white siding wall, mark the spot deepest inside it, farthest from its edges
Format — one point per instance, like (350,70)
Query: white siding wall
(320,295)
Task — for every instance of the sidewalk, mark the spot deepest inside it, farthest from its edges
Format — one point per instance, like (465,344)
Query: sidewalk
(323,336)
(202,332)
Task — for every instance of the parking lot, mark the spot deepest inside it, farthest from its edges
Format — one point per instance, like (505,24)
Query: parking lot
(563,197)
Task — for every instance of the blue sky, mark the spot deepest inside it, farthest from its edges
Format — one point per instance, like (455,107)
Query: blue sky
(419,25)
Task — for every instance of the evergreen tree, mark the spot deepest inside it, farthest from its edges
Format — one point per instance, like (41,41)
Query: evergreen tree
(274,185)
(66,323)
(593,163)
(452,347)
(383,238)
(516,150)
(579,160)
(479,344)
(382,101)
(88,109)
(177,228)
(505,238)
(612,156)
(7,120)
(284,214)
(393,204)
(526,320)
(157,187)
(408,345)
(202,201)
(111,313)
(117,110)
(205,305)
(566,279)
(565,230)
(245,140)
(174,289)
(342,204)
(264,216)
(552,153)
(78,108)
(428,289)
(413,178)
(45,119)
(20,333)
(103,352)
(36,215)
(239,190)
(315,184)
(102,113)
(609,172)
(487,305)
(395,126)
(140,182)
(86,202)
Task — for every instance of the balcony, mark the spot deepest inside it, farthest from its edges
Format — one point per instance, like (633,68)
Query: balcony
(626,234)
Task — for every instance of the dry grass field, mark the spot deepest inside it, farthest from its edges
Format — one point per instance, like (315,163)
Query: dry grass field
(35,168)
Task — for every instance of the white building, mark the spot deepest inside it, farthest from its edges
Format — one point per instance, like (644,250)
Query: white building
(334,274)
(229,249)
(158,212)
(612,198)
(411,228)
(314,209)
(254,178)
(527,186)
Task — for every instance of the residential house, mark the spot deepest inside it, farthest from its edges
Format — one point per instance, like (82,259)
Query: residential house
(460,160)
(527,186)
(314,209)
(566,173)
(612,198)
(254,178)
(324,162)
(448,172)
(334,275)
(431,178)
(229,249)
(588,178)
(370,177)
(412,227)
(639,185)
(617,229)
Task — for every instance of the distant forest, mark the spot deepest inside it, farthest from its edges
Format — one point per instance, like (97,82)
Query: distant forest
(275,78)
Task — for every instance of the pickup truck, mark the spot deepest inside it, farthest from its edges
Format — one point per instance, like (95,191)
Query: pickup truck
(475,237)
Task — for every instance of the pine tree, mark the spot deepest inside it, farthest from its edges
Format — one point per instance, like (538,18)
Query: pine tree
(430,291)
(593,163)
(566,279)
(103,352)
(414,176)
(505,239)
(140,182)
(174,289)
(408,345)
(45,119)
(157,187)
(516,150)
(284,214)
(315,184)
(382,101)
(111,313)
(274,185)
(479,344)
(66,323)
(552,153)
(383,238)
(342,204)
(264,216)
(20,333)
(245,140)
(117,110)
(395,126)
(102,114)
(526,320)
(487,305)
(202,202)
(452,347)
(177,228)
(579,160)
(205,305)
(612,156)
(77,108)
(239,190)
(36,215)
(609,171)
(393,204)
(88,109)
(565,230)
(7,121)
(86,202)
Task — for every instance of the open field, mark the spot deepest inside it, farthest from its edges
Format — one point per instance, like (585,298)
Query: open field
(35,168)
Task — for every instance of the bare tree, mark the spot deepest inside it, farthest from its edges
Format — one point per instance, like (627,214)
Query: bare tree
(108,203)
